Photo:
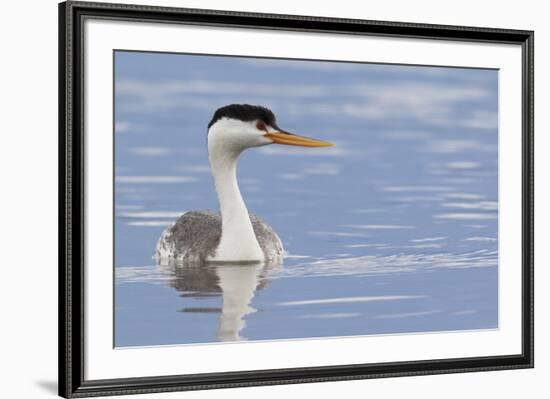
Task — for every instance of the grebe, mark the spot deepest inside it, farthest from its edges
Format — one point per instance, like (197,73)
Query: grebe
(233,235)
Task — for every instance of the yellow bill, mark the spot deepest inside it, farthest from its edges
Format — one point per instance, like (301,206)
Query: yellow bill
(294,139)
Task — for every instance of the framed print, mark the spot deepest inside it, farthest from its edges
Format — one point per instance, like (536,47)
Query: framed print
(253,199)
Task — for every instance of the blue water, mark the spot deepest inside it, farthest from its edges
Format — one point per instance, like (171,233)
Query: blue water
(393,230)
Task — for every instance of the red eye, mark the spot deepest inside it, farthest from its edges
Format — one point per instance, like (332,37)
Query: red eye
(261,126)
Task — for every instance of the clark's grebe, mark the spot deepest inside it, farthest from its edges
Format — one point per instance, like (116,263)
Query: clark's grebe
(235,235)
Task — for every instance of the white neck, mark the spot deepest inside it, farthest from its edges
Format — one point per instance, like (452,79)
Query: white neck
(238,241)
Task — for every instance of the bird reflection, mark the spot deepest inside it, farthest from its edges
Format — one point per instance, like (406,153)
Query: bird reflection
(236,283)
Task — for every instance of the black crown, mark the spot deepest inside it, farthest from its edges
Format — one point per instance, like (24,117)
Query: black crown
(245,113)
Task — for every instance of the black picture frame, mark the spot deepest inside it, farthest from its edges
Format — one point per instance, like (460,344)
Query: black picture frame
(71,199)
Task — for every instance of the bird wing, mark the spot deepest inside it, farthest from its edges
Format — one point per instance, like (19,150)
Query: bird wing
(194,237)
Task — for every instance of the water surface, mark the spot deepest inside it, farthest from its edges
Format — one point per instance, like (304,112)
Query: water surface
(393,230)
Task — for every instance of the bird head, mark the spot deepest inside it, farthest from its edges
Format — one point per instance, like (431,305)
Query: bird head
(240,126)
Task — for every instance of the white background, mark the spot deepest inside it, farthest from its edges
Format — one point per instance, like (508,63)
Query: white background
(103,363)
(28,157)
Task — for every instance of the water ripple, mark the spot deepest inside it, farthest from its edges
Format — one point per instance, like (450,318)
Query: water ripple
(360,266)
